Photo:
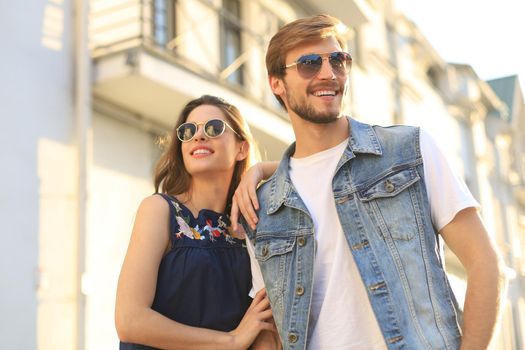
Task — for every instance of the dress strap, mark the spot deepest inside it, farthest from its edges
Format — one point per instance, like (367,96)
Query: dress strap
(173,213)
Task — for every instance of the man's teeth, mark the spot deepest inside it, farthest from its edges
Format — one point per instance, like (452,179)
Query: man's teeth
(324,93)
(202,151)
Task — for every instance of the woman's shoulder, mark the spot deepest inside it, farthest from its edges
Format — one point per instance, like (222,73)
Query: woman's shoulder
(154,204)
(150,220)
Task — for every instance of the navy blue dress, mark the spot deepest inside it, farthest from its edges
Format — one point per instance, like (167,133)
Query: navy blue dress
(205,277)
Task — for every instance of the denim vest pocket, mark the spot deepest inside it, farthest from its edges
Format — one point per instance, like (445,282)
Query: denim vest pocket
(271,246)
(391,185)
(274,254)
(393,204)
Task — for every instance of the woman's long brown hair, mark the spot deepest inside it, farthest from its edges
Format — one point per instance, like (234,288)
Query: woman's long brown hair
(171,177)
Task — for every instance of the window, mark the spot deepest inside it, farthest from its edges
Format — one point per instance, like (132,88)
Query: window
(392,45)
(433,76)
(268,23)
(164,21)
(232,39)
(357,48)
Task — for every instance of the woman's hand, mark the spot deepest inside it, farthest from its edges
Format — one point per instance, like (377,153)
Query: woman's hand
(245,197)
(268,340)
(257,318)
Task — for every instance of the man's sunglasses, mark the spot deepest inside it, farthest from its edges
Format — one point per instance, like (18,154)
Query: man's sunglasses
(308,66)
(212,128)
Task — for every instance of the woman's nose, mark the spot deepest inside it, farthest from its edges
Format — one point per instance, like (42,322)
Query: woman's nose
(199,134)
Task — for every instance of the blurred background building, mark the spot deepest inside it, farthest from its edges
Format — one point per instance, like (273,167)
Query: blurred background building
(88,86)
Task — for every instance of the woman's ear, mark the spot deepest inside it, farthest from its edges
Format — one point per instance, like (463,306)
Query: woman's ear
(243,150)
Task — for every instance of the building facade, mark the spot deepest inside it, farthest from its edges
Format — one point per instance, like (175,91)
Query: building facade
(507,139)
(90,86)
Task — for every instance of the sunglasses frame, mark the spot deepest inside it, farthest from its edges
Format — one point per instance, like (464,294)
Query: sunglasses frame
(197,124)
(324,56)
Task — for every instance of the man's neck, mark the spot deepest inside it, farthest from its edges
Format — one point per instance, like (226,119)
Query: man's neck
(313,138)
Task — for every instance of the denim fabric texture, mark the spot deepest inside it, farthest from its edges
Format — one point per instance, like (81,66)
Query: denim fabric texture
(383,208)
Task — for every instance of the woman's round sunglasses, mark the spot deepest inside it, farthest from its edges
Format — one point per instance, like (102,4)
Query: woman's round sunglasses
(308,66)
(212,128)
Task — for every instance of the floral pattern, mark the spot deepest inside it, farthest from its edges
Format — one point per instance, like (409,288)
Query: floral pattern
(208,231)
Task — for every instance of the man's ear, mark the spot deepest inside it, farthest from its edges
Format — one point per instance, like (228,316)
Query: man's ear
(277,85)
(243,151)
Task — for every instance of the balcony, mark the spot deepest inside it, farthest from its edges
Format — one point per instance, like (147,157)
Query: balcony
(353,13)
(151,56)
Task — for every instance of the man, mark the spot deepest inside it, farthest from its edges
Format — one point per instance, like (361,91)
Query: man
(347,235)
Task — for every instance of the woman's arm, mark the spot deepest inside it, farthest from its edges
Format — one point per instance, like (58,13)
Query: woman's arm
(245,197)
(137,323)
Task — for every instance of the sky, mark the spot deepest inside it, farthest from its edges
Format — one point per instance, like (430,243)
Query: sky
(489,35)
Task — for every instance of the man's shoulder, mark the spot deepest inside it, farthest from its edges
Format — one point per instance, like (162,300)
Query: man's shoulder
(274,188)
(396,128)
(397,134)
(391,141)
(383,131)
(265,188)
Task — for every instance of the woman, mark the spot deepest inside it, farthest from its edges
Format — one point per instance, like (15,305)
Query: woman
(185,279)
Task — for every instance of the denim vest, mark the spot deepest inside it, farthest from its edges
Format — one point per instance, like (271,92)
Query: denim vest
(382,204)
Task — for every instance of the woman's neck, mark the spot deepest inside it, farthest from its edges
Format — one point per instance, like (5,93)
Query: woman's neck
(206,194)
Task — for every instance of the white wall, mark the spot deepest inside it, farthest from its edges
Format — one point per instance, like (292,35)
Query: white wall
(120,177)
(36,96)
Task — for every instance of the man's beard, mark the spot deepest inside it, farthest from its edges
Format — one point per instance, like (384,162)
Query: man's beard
(307,112)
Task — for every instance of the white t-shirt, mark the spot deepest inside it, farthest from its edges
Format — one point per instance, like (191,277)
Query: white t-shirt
(336,277)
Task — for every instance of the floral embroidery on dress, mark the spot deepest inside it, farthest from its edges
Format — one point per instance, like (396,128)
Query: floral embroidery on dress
(184,229)
(208,231)
(177,206)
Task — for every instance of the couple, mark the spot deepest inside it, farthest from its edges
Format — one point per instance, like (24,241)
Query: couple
(343,237)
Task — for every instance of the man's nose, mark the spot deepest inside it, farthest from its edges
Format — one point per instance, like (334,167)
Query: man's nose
(326,71)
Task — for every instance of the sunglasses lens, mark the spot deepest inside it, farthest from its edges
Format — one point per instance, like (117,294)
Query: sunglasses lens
(186,131)
(309,65)
(340,62)
(214,128)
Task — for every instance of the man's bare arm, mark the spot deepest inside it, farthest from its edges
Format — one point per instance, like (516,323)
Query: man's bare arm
(467,237)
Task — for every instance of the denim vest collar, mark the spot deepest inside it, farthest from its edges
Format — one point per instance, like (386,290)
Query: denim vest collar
(363,139)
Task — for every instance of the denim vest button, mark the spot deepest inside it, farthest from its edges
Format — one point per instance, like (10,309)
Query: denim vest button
(299,290)
(389,186)
(301,241)
(265,251)
(292,337)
